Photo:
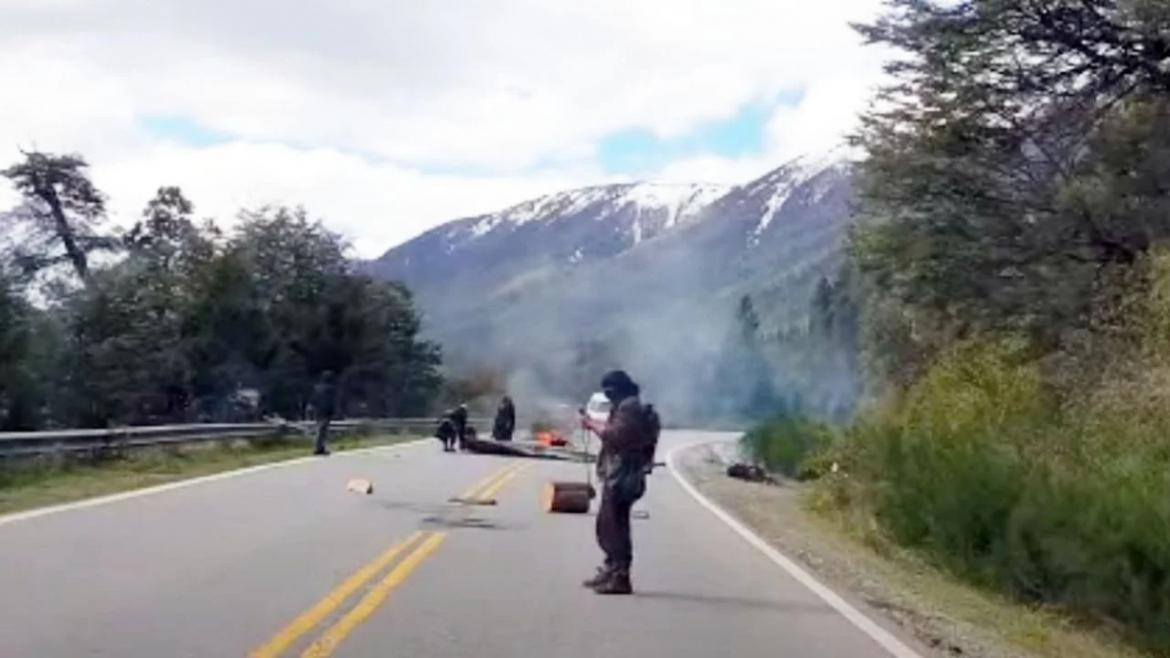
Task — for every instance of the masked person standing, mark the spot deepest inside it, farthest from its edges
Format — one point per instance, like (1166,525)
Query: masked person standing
(627,448)
(324,406)
(505,423)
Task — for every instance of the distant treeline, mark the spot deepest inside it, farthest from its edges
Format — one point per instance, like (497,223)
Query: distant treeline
(176,320)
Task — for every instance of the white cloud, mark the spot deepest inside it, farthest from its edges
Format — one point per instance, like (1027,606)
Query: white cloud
(374,205)
(497,90)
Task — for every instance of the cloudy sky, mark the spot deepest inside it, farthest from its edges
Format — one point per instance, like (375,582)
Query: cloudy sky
(386,117)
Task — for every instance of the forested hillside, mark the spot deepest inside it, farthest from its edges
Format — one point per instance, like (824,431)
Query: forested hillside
(1011,273)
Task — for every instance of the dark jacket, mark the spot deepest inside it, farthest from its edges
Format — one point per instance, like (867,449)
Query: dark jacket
(458,416)
(625,439)
(324,400)
(505,422)
(446,429)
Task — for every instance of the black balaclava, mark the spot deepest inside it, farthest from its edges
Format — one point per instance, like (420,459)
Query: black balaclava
(617,386)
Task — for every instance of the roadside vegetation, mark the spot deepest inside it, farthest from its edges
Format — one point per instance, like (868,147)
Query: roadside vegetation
(49,481)
(790,445)
(1011,274)
(174,319)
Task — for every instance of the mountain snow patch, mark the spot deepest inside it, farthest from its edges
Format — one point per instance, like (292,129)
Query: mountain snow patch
(786,179)
(681,202)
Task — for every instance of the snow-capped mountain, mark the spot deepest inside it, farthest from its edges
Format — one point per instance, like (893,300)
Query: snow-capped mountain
(564,228)
(649,274)
(773,190)
(645,209)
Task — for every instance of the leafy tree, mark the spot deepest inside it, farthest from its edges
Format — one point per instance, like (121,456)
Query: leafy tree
(62,212)
(167,234)
(320,317)
(133,354)
(1004,164)
(16,409)
(182,326)
(125,361)
(228,335)
(292,262)
(292,257)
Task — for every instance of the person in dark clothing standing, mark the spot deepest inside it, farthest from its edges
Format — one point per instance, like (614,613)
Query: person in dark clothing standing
(459,417)
(324,406)
(626,440)
(505,420)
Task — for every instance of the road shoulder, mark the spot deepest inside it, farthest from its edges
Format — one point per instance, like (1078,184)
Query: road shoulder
(950,618)
(29,491)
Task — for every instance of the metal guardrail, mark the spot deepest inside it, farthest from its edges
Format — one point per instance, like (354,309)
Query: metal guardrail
(23,444)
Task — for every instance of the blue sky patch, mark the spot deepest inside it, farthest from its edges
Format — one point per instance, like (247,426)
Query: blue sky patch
(634,151)
(183,130)
(639,150)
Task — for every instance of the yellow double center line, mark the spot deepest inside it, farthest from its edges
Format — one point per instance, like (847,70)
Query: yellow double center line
(329,640)
(493,483)
(333,636)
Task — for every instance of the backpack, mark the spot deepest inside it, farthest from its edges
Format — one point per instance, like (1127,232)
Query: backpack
(628,481)
(652,425)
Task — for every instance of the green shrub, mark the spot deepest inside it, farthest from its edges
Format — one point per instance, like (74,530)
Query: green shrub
(789,445)
(983,469)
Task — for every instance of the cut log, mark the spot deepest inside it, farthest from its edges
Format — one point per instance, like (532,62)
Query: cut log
(567,497)
(359,485)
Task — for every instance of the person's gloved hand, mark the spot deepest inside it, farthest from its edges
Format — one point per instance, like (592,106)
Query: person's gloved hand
(587,422)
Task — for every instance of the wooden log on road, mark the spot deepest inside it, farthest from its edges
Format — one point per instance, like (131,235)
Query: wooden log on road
(567,497)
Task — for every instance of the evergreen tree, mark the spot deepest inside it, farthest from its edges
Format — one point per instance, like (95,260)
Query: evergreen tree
(1012,167)
(62,212)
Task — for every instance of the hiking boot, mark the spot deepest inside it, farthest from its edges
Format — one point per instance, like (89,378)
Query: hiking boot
(618,582)
(600,577)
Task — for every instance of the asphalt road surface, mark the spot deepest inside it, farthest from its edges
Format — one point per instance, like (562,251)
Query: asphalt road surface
(285,561)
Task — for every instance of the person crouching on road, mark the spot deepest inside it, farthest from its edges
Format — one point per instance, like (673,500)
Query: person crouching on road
(621,470)
(445,433)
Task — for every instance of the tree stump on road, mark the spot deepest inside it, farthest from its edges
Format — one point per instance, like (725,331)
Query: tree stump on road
(567,497)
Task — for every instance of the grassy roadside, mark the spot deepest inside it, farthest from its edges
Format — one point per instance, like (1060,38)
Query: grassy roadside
(948,616)
(31,485)
(976,620)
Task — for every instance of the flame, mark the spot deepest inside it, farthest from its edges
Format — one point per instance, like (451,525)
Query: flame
(550,438)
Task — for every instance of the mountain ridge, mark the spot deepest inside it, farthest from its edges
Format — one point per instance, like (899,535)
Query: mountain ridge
(651,283)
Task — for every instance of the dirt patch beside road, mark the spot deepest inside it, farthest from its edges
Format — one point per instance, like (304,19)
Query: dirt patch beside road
(949,616)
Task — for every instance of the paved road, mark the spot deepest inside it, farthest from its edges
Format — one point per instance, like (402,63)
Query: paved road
(284,561)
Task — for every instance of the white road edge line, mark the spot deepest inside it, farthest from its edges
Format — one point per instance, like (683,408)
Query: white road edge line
(880,635)
(180,484)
